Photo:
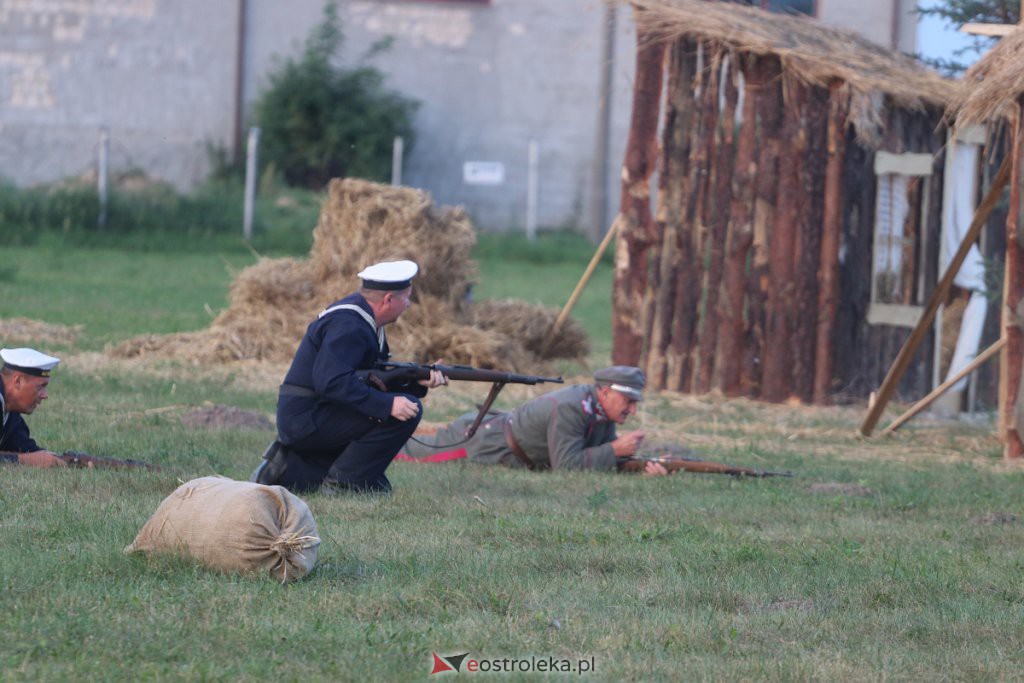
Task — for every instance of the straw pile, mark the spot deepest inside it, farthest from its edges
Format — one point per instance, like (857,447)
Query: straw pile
(361,223)
(992,87)
(25,330)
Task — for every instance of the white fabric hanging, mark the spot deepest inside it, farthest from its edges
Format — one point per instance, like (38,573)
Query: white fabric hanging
(959,210)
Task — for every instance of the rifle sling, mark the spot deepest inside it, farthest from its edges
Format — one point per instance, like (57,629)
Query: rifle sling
(513,445)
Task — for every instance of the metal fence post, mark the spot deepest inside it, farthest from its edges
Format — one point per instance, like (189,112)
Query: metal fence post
(102,173)
(532,186)
(397,153)
(250,181)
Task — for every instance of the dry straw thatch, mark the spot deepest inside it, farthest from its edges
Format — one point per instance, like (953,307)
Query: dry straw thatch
(807,49)
(361,223)
(14,331)
(992,87)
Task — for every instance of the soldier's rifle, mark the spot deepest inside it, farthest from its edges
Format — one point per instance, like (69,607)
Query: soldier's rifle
(388,371)
(84,460)
(675,463)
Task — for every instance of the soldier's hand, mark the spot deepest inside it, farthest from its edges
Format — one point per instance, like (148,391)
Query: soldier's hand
(654,469)
(436,379)
(40,459)
(403,409)
(627,444)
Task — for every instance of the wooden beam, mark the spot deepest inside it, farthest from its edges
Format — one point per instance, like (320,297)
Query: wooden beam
(574,297)
(944,387)
(1011,363)
(906,353)
(990,30)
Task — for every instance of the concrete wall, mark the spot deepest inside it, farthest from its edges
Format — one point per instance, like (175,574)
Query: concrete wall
(491,76)
(160,74)
(890,23)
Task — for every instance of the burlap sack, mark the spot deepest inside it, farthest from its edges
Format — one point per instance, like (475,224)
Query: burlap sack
(234,526)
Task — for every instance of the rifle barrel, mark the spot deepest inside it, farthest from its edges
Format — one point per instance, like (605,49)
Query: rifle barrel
(462,373)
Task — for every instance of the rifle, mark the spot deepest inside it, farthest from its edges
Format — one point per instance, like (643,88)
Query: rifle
(387,371)
(675,463)
(79,459)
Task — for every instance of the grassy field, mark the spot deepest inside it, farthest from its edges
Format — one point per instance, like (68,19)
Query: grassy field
(882,559)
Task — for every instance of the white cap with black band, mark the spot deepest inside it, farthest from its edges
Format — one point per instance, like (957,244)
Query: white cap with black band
(28,361)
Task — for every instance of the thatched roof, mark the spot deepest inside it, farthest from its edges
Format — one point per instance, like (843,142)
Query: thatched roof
(808,49)
(991,88)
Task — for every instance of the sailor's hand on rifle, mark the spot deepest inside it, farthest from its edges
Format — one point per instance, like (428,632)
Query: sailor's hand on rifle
(403,409)
(627,444)
(436,379)
(40,459)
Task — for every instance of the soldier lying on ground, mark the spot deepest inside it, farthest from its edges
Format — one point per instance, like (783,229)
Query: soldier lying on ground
(24,376)
(571,428)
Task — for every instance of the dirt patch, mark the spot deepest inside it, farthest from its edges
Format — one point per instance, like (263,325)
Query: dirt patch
(37,333)
(834,488)
(995,519)
(226,417)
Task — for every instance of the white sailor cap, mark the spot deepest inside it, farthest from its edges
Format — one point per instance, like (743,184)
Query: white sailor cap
(624,379)
(389,275)
(29,361)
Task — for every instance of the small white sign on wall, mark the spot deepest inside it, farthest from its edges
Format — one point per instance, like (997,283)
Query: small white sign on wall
(483,173)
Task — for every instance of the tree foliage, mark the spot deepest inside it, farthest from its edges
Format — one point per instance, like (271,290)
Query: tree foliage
(960,12)
(320,121)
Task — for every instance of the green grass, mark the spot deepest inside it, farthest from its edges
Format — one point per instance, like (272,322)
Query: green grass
(690,577)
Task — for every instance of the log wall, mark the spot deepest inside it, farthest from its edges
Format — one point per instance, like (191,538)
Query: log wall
(735,282)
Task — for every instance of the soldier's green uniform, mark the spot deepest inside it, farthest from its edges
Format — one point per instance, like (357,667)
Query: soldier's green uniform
(565,429)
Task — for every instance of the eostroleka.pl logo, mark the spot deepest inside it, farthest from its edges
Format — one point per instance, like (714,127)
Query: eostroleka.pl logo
(532,664)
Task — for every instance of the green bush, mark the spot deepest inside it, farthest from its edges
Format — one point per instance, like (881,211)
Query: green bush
(319,121)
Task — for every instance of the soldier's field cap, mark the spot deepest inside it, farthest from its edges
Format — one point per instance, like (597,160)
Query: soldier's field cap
(29,361)
(623,378)
(389,275)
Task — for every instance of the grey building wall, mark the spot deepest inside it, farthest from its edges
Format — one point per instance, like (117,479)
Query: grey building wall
(890,23)
(159,74)
(491,76)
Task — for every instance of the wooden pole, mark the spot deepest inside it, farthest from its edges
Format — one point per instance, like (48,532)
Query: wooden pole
(637,230)
(677,130)
(777,368)
(720,192)
(906,353)
(731,329)
(1011,365)
(944,387)
(828,273)
(584,279)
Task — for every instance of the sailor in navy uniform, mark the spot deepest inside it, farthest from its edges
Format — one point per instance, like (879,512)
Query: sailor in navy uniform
(24,377)
(336,432)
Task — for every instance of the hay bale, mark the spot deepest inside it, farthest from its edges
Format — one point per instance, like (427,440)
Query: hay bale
(274,282)
(273,301)
(362,223)
(529,325)
(37,332)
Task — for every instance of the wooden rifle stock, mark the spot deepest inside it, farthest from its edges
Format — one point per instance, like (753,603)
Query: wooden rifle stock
(637,463)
